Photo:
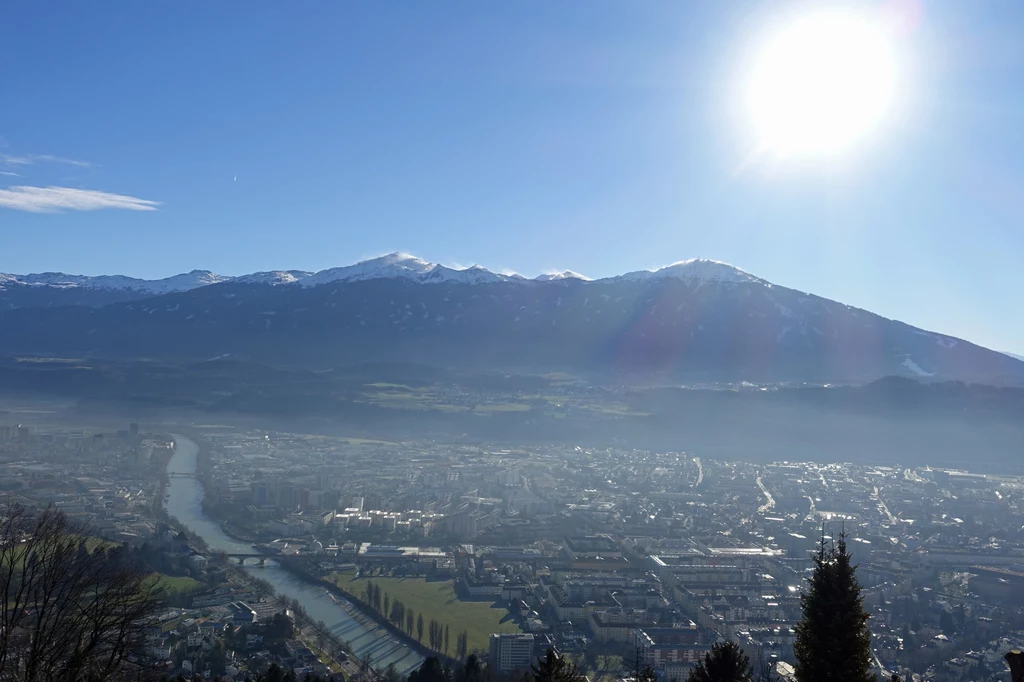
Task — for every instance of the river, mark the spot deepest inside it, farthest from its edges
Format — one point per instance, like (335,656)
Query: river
(184,502)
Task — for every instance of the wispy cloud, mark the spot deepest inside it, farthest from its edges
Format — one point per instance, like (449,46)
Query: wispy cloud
(50,158)
(10,174)
(30,159)
(60,199)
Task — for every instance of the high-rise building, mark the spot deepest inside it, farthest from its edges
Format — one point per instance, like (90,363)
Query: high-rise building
(260,493)
(511,651)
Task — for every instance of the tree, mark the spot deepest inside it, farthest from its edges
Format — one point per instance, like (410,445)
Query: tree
(445,640)
(431,671)
(832,640)
(726,662)
(279,627)
(387,602)
(647,674)
(67,612)
(554,668)
(462,644)
(410,621)
(433,634)
(276,673)
(946,623)
(217,660)
(419,629)
(472,671)
(391,674)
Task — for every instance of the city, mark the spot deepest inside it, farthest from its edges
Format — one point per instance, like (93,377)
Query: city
(605,555)
(529,341)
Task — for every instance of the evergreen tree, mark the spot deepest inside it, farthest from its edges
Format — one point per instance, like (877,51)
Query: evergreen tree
(554,668)
(833,643)
(647,674)
(946,623)
(473,671)
(726,662)
(419,628)
(431,671)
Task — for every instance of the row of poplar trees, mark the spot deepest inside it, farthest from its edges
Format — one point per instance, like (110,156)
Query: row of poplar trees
(411,623)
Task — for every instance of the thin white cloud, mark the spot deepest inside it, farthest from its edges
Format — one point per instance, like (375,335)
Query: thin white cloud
(50,158)
(30,159)
(60,199)
(10,174)
(15,160)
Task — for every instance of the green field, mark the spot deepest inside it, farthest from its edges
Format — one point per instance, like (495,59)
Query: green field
(608,669)
(437,600)
(173,583)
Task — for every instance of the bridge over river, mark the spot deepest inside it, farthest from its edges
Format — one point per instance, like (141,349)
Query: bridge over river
(185,503)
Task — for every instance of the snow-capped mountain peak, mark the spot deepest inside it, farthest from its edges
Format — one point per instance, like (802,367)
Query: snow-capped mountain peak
(475,274)
(400,265)
(274,277)
(390,266)
(696,270)
(557,276)
(404,266)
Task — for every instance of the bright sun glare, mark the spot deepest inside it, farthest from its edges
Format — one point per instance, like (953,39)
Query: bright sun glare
(821,84)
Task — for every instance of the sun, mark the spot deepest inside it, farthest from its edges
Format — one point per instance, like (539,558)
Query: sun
(821,84)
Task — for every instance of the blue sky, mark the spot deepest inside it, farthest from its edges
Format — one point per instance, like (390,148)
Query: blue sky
(600,137)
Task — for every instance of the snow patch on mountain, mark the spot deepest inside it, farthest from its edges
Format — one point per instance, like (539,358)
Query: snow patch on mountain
(916,368)
(183,282)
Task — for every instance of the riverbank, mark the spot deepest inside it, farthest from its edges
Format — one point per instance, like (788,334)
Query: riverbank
(313,634)
(366,639)
(354,602)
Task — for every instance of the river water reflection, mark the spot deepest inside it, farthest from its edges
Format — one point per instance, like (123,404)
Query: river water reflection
(184,502)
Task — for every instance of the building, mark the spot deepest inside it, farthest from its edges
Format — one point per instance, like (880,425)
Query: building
(241,613)
(618,625)
(511,651)
(675,648)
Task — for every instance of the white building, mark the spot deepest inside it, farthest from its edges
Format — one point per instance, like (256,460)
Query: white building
(511,651)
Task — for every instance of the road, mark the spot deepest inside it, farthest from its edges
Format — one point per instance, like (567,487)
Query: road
(770,501)
(885,507)
(814,508)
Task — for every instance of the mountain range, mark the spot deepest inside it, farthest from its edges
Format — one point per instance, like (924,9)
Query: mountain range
(693,321)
